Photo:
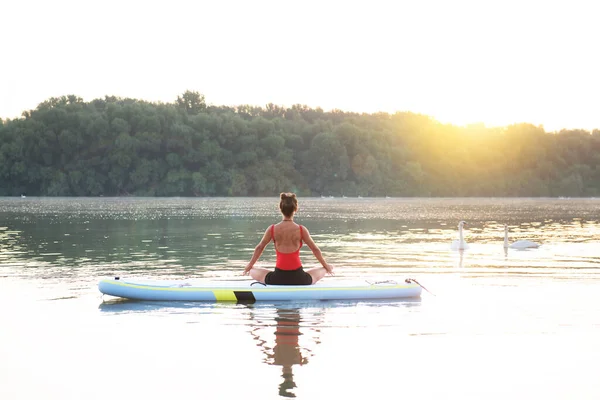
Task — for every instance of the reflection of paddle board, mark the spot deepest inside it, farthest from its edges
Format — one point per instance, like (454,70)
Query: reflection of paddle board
(249,291)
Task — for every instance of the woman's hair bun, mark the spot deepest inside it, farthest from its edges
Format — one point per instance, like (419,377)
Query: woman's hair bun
(288,195)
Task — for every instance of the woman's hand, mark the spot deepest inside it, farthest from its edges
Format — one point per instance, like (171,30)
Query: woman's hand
(328,268)
(247,269)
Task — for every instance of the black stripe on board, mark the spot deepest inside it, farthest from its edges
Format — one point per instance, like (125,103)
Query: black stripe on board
(244,296)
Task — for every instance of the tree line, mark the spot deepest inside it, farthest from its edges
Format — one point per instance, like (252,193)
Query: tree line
(120,146)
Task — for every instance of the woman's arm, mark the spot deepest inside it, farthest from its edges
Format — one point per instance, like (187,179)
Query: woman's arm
(315,249)
(258,250)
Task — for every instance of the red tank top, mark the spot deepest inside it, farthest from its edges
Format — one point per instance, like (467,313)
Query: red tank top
(287,261)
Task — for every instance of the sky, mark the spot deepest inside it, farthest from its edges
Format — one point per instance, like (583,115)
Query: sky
(461,62)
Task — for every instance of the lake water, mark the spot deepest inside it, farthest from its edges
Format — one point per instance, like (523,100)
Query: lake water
(497,324)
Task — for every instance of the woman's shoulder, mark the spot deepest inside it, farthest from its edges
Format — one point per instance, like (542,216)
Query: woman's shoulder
(285,226)
(304,230)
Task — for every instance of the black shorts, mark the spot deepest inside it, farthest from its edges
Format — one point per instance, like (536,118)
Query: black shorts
(284,277)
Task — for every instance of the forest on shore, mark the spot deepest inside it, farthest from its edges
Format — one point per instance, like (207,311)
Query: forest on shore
(120,147)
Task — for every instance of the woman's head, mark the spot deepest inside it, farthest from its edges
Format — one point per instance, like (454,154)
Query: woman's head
(288,204)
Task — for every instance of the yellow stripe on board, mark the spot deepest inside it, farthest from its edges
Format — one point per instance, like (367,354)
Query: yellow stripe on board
(224,295)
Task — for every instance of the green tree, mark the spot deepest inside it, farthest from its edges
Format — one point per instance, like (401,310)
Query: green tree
(192,102)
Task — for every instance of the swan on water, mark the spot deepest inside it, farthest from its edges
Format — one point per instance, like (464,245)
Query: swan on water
(519,244)
(460,243)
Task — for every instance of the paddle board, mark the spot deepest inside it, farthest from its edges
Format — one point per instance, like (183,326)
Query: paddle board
(252,291)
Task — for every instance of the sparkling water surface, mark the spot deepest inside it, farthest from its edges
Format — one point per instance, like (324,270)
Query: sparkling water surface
(494,323)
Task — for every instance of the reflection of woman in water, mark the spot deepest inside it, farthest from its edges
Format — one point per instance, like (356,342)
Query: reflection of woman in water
(287,351)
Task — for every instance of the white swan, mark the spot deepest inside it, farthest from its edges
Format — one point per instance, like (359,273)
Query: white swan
(519,244)
(460,243)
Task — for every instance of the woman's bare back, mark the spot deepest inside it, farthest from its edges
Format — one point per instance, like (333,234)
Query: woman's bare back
(287,237)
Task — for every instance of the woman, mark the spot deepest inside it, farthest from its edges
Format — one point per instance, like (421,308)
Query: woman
(287,238)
